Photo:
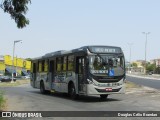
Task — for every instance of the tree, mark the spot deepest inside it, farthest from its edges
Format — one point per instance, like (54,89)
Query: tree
(150,67)
(157,70)
(17,9)
(29,59)
(134,65)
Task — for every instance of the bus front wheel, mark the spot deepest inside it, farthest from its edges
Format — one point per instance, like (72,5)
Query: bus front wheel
(72,92)
(42,88)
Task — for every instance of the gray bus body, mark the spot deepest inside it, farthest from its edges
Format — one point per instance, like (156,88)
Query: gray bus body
(89,70)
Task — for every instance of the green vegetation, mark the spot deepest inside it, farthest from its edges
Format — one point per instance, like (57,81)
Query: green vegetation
(134,65)
(17,9)
(2,101)
(157,70)
(18,82)
(29,59)
(153,68)
(150,67)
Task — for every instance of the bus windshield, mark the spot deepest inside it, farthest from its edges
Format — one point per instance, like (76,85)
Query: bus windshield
(103,64)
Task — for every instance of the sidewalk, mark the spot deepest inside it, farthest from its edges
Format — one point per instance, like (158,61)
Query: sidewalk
(154,76)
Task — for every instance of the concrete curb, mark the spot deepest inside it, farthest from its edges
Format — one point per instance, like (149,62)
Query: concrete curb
(143,77)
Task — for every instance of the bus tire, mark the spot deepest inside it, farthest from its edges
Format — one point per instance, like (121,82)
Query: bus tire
(72,92)
(103,97)
(42,88)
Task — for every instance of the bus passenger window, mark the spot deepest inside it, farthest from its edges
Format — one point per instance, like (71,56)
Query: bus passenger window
(70,63)
(46,66)
(43,65)
(64,63)
(59,64)
(40,66)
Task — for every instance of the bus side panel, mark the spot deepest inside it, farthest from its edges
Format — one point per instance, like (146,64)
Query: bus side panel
(50,81)
(46,80)
(61,83)
(72,77)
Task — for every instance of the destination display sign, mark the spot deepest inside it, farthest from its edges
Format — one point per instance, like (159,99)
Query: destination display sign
(99,71)
(105,49)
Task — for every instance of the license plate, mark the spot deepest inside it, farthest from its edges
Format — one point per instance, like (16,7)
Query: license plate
(108,89)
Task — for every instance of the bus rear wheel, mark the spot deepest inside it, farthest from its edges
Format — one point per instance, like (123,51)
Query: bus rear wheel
(72,92)
(42,88)
(103,97)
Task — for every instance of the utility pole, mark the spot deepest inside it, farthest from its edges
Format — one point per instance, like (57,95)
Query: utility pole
(145,66)
(16,41)
(130,52)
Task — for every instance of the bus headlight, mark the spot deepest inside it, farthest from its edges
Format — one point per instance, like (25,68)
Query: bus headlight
(91,82)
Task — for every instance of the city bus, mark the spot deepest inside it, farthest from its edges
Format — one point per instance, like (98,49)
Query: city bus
(88,70)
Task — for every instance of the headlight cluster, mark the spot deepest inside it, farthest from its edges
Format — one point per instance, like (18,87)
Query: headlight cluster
(103,84)
(91,82)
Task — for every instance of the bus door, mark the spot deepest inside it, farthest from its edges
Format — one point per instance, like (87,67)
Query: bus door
(80,71)
(51,74)
(34,74)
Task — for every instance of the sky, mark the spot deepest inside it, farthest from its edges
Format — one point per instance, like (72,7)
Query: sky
(68,24)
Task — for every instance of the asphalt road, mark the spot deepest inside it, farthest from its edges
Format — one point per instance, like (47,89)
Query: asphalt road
(26,98)
(146,82)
